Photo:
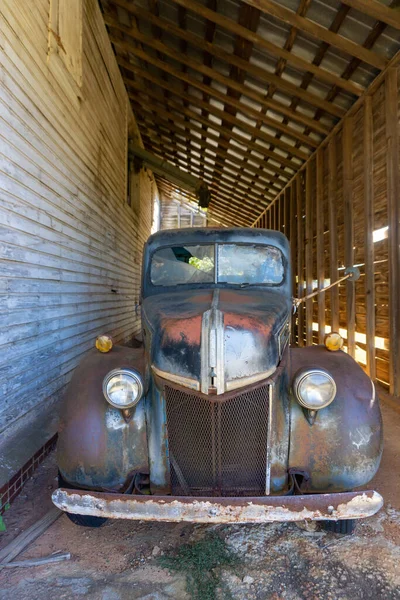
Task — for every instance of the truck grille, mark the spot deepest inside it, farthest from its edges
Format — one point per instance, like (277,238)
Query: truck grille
(218,446)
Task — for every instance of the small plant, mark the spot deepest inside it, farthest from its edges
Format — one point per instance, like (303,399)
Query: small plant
(2,523)
(201,562)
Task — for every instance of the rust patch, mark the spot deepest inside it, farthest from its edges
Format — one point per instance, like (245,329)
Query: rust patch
(249,323)
(350,505)
(178,330)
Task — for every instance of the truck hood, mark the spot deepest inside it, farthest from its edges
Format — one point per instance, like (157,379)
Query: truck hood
(219,338)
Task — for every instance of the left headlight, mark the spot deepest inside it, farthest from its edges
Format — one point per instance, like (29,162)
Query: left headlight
(314,388)
(123,388)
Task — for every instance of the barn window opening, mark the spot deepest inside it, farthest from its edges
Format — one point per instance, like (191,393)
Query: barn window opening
(380,234)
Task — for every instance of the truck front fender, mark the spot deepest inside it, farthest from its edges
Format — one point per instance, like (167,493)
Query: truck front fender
(97,447)
(342,449)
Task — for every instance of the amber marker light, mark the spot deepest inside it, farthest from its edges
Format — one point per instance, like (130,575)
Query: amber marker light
(333,341)
(104,343)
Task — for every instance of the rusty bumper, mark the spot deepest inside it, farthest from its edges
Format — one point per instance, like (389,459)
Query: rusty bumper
(316,507)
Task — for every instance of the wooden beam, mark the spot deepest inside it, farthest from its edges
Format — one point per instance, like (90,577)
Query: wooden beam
(163,118)
(333,233)
(253,113)
(300,259)
(283,84)
(377,11)
(393,194)
(320,33)
(174,134)
(212,125)
(220,188)
(376,83)
(262,196)
(348,175)
(287,221)
(244,33)
(241,124)
(293,243)
(206,89)
(320,230)
(369,253)
(309,253)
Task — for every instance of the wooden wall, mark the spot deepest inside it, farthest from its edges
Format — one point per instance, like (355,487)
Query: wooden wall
(175,215)
(70,244)
(348,190)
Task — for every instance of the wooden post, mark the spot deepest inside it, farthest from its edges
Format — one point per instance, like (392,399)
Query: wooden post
(288,194)
(320,245)
(300,257)
(309,254)
(293,244)
(333,245)
(349,231)
(393,189)
(179,216)
(368,236)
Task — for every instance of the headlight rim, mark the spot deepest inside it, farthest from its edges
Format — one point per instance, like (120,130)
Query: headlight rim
(123,371)
(301,374)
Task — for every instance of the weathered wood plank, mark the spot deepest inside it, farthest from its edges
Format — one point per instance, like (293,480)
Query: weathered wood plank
(19,544)
(69,235)
(333,237)
(300,257)
(320,245)
(393,192)
(369,282)
(309,252)
(348,175)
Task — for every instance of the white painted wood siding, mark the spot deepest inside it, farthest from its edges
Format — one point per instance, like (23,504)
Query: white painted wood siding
(176,215)
(67,235)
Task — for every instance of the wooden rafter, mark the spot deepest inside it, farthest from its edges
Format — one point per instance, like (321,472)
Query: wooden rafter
(254,201)
(321,33)
(234,135)
(240,169)
(257,40)
(263,74)
(206,102)
(248,170)
(377,11)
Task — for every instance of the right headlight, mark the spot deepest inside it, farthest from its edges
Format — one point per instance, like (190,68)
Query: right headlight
(122,388)
(314,388)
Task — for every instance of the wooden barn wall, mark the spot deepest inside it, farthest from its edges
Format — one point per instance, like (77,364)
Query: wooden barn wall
(347,191)
(70,245)
(176,215)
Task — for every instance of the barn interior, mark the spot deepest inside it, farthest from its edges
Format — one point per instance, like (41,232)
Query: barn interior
(115,112)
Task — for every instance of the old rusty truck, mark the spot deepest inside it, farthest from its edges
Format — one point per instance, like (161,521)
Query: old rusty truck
(217,417)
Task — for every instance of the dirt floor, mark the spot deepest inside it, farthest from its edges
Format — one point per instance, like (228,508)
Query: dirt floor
(134,560)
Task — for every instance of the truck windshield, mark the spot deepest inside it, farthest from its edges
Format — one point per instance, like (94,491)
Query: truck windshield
(248,264)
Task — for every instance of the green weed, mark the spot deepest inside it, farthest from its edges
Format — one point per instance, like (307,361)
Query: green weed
(201,562)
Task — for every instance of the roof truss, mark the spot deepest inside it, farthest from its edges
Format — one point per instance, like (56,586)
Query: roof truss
(242,101)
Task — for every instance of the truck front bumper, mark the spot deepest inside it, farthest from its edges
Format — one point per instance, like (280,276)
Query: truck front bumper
(267,509)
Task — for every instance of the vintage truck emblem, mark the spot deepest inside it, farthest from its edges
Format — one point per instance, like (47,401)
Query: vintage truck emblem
(212,349)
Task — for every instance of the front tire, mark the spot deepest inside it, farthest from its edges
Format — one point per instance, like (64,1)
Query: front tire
(81,520)
(344,527)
